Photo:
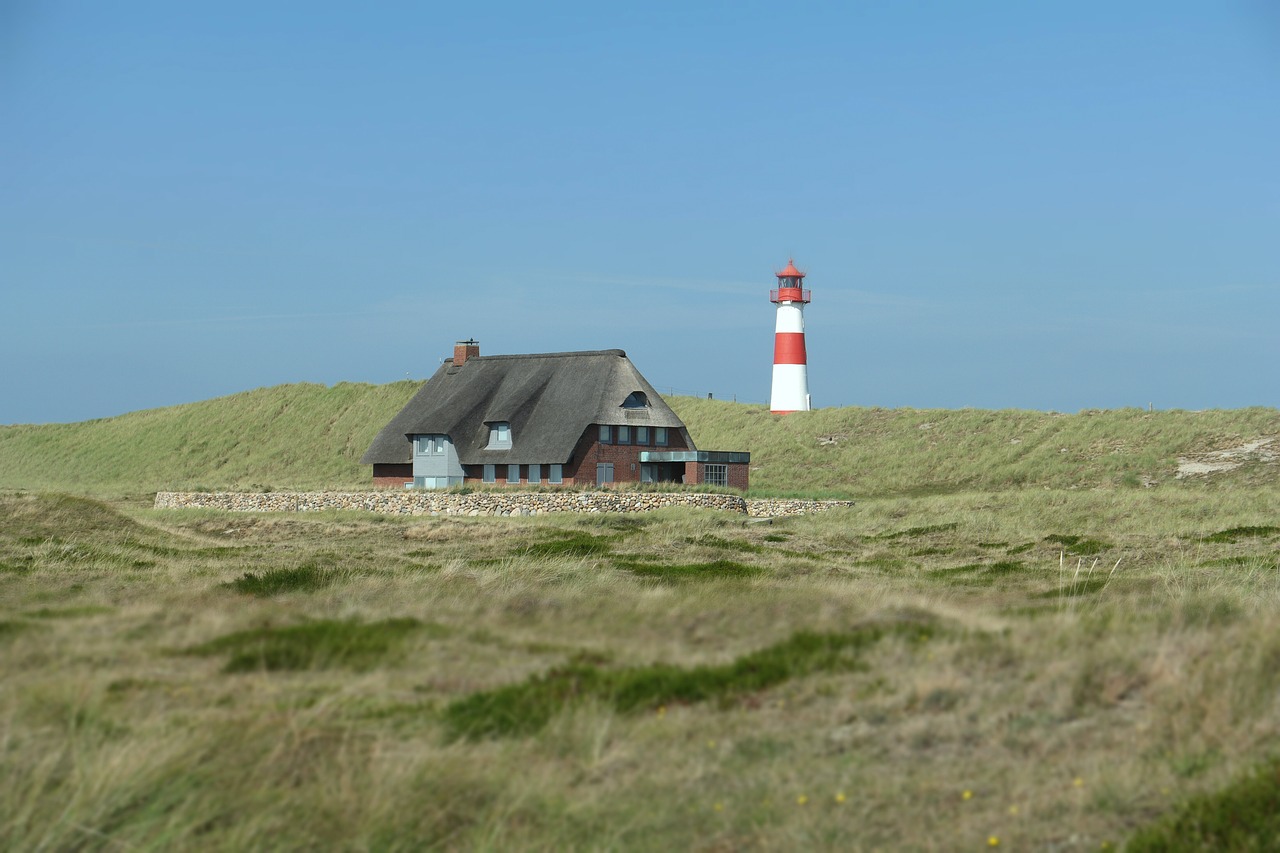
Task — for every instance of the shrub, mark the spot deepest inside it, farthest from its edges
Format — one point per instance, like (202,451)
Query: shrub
(1243,816)
(306,578)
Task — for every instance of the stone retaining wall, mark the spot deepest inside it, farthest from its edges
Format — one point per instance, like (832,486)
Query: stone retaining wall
(418,502)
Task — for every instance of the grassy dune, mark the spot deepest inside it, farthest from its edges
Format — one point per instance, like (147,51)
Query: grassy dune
(299,436)
(1050,669)
(311,436)
(1008,640)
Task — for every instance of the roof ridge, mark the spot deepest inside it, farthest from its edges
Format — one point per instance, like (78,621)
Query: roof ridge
(616,352)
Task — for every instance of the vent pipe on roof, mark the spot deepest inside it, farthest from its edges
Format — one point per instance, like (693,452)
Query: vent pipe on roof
(464,350)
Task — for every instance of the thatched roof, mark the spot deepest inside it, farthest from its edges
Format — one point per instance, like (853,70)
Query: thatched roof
(548,398)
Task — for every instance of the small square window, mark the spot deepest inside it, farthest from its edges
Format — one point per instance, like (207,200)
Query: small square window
(660,436)
(535,473)
(624,434)
(556,474)
(513,473)
(490,473)
(606,433)
(642,435)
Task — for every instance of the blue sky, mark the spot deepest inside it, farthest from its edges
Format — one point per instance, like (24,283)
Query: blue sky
(1057,205)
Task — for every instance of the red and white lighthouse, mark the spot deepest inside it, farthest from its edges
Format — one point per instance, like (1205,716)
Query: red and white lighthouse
(790,364)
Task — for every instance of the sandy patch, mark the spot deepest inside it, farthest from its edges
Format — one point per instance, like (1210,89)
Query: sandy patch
(1217,461)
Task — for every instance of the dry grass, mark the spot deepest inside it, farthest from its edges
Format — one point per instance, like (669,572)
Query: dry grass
(306,436)
(1070,720)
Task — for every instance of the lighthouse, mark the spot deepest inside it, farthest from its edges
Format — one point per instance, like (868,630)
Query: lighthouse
(790,364)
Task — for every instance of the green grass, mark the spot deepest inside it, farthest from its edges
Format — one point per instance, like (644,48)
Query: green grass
(270,582)
(571,544)
(525,708)
(1244,816)
(313,645)
(684,572)
(1235,534)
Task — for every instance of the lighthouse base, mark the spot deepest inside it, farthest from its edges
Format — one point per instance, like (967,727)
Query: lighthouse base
(790,389)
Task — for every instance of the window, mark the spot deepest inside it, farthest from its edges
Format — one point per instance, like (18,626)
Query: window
(430,445)
(499,436)
(636,400)
(660,436)
(604,473)
(716,475)
(489,473)
(605,433)
(556,474)
(642,435)
(535,473)
(513,473)
(624,435)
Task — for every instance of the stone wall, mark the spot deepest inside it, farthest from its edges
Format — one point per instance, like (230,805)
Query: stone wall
(499,503)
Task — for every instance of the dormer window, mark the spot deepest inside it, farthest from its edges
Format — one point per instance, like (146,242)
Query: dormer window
(499,436)
(636,400)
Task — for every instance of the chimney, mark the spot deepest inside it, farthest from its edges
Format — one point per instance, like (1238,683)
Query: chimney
(464,350)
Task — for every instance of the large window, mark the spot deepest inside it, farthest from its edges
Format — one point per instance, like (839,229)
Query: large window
(715,475)
(556,474)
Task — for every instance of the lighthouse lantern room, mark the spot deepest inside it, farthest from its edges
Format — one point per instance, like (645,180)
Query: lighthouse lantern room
(790,363)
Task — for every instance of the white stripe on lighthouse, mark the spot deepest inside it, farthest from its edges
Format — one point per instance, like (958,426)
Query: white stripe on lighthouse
(790,317)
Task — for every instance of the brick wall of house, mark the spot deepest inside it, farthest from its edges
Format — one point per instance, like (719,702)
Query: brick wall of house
(392,476)
(739,475)
(589,452)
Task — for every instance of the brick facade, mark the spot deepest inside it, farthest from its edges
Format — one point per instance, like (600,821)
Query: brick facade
(587,453)
(392,476)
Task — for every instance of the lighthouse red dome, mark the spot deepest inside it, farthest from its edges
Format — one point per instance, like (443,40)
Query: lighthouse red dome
(790,271)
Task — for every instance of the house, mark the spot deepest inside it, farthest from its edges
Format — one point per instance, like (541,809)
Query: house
(559,418)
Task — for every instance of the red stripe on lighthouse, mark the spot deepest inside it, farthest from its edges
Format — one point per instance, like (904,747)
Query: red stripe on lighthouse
(788,348)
